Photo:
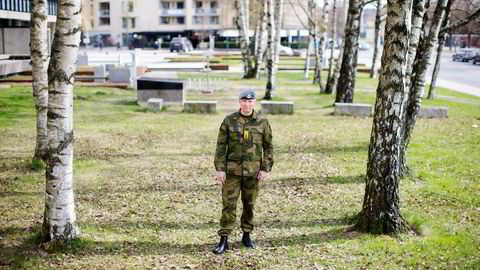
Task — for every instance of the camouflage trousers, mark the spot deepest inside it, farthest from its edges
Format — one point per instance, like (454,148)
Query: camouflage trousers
(234,185)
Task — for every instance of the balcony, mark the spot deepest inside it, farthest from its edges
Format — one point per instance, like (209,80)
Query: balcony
(25,6)
(206,11)
(173,12)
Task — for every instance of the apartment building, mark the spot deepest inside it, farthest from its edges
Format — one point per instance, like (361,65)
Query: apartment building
(143,23)
(15,25)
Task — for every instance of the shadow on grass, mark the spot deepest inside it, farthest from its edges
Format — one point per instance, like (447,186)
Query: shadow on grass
(323,149)
(309,181)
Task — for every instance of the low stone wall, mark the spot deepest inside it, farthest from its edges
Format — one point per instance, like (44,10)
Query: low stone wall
(200,106)
(14,66)
(433,112)
(356,109)
(277,107)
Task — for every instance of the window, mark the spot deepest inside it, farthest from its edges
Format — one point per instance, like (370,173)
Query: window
(132,22)
(197,20)
(164,20)
(130,6)
(198,4)
(164,5)
(124,23)
(213,5)
(214,20)
(180,5)
(105,21)
(104,6)
(180,20)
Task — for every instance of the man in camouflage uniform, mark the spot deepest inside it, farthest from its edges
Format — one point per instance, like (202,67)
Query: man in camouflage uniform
(243,157)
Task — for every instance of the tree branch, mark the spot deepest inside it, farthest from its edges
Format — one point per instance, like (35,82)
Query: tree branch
(298,16)
(461,23)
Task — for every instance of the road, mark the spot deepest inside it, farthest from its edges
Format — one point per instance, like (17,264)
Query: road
(458,76)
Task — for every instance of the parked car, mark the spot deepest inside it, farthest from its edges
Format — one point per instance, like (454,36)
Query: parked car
(180,44)
(286,50)
(464,55)
(476,59)
(363,46)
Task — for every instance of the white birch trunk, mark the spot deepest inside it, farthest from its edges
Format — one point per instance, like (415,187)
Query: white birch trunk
(39,54)
(376,48)
(261,41)
(328,88)
(59,217)
(278,36)
(322,42)
(307,58)
(271,51)
(242,26)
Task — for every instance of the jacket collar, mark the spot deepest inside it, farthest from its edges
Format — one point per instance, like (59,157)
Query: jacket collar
(238,114)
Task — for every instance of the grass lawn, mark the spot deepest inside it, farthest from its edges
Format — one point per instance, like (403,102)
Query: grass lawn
(145,195)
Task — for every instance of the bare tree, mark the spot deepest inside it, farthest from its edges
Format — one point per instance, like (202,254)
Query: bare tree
(348,69)
(39,54)
(376,48)
(260,49)
(441,42)
(271,51)
(328,87)
(323,33)
(278,37)
(59,221)
(242,22)
(381,205)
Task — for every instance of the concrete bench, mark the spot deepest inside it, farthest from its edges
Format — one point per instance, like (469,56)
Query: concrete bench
(200,106)
(433,112)
(155,104)
(356,109)
(277,107)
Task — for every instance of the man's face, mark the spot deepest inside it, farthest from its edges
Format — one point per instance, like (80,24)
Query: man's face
(246,106)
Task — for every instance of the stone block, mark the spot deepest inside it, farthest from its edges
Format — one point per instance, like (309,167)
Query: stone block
(219,67)
(120,75)
(200,106)
(155,104)
(433,112)
(356,109)
(100,73)
(171,91)
(277,107)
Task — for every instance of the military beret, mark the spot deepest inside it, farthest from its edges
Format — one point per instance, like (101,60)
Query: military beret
(247,94)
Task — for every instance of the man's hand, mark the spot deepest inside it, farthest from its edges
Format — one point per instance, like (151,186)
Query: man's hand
(220,177)
(262,175)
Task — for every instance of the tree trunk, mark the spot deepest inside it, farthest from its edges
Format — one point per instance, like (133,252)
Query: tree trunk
(242,24)
(381,206)
(417,83)
(278,37)
(261,44)
(307,57)
(419,19)
(59,218)
(376,48)
(348,69)
(39,54)
(441,43)
(271,52)
(328,87)
(322,42)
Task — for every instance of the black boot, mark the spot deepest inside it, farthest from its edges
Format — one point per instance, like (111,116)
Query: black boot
(222,246)
(247,242)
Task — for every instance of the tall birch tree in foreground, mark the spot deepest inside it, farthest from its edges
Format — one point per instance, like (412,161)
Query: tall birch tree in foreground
(381,205)
(242,22)
(39,55)
(59,218)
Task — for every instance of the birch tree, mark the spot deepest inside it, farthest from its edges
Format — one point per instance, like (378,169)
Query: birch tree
(271,51)
(260,49)
(376,48)
(39,54)
(242,22)
(278,36)
(441,42)
(418,78)
(323,32)
(381,205)
(59,218)
(328,86)
(348,68)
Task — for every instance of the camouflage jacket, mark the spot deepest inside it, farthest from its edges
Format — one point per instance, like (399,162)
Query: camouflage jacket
(244,145)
